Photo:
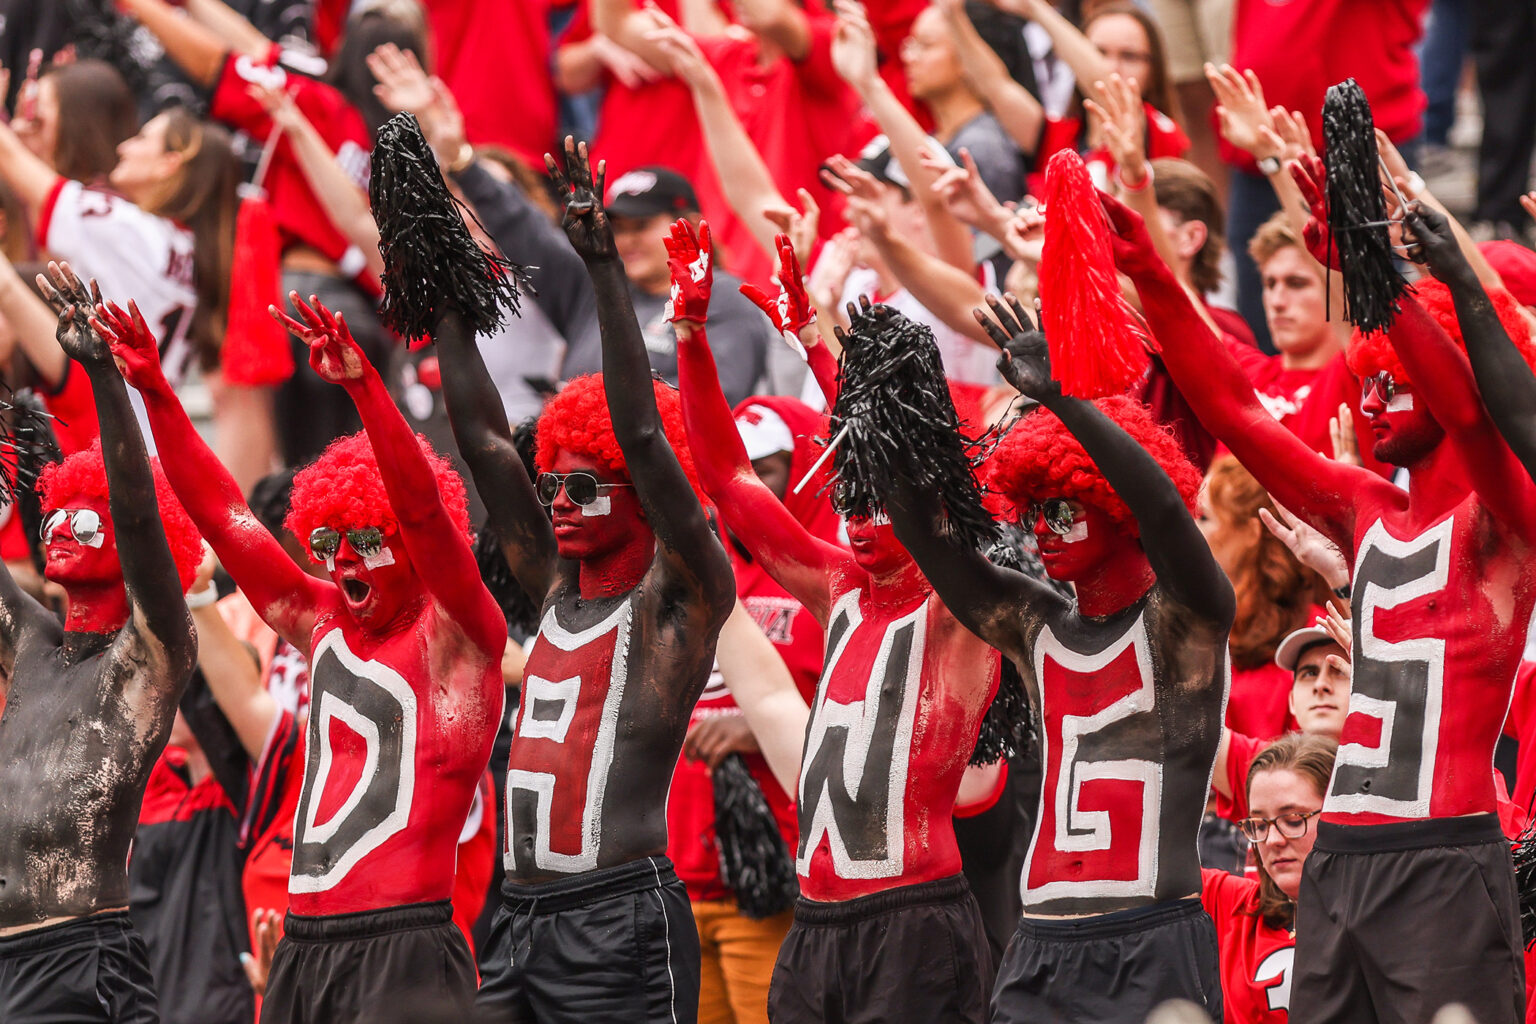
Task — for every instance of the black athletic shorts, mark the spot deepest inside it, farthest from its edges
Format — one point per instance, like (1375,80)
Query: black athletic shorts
(1395,921)
(616,945)
(1109,968)
(915,953)
(91,969)
(403,965)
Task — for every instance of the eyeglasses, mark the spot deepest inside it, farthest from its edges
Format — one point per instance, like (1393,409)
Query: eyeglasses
(325,542)
(1382,383)
(1058,513)
(1291,826)
(84,526)
(581,487)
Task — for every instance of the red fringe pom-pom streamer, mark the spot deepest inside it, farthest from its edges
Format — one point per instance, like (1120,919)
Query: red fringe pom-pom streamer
(1098,342)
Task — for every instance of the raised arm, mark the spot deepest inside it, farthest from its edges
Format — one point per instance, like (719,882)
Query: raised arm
(1020,113)
(755,674)
(158,607)
(29,177)
(32,327)
(193,47)
(690,552)
(229,666)
(230,26)
(1088,65)
(795,317)
(283,594)
(1175,547)
(438,549)
(799,561)
(1317,488)
(484,438)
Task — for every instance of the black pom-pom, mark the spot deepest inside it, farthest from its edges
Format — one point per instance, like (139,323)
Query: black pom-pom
(754,861)
(1357,210)
(27,446)
(431,261)
(1008,728)
(900,421)
(1523,852)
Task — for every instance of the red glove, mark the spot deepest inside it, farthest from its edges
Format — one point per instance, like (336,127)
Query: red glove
(1135,254)
(791,311)
(1310,177)
(690,259)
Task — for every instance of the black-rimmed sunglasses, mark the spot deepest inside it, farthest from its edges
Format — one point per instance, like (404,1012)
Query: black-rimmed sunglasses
(581,487)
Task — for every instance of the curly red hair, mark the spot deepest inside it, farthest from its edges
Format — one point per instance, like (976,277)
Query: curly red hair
(84,475)
(1039,458)
(342,489)
(1373,354)
(576,420)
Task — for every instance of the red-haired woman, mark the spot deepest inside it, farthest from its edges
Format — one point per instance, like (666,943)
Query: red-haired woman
(1112,924)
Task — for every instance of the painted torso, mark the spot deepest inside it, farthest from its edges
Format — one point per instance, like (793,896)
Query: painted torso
(892,727)
(77,744)
(1130,709)
(400,730)
(605,705)
(1440,615)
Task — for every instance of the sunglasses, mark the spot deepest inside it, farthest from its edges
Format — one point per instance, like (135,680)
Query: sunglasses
(581,487)
(1382,383)
(84,526)
(1291,826)
(324,542)
(1058,513)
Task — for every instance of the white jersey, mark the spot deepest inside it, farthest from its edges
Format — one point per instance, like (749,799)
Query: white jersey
(132,255)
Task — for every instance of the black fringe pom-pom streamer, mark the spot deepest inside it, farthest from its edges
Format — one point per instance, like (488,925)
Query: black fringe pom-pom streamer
(521,613)
(1007,728)
(27,446)
(431,261)
(1523,853)
(1357,211)
(896,418)
(755,863)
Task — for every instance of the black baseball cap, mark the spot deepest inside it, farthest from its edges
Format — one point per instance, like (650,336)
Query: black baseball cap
(648,191)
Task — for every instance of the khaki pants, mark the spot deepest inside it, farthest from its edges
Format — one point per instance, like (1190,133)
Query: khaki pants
(736,961)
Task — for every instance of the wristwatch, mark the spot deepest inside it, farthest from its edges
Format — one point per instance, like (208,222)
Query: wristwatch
(1269,165)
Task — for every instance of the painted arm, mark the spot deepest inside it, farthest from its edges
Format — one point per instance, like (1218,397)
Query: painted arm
(193,47)
(1319,489)
(284,596)
(761,684)
(1175,547)
(690,553)
(800,562)
(438,548)
(159,610)
(484,439)
(28,176)
(795,317)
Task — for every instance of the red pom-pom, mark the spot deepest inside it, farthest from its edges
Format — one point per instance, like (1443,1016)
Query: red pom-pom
(256,350)
(1098,342)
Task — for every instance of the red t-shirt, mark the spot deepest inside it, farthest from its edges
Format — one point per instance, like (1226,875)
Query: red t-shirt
(73,408)
(1164,138)
(1256,958)
(1257,704)
(1298,48)
(1241,750)
(494,55)
(301,217)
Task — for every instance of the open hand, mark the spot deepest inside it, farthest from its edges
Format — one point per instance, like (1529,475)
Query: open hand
(854,55)
(1309,546)
(133,345)
(800,225)
(1311,179)
(402,83)
(333,352)
(1246,121)
(690,259)
(73,304)
(1123,120)
(791,311)
(1026,359)
(585,222)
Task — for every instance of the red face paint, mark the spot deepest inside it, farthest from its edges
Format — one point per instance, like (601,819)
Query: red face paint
(614,547)
(378,590)
(1103,561)
(92,576)
(1403,429)
(876,549)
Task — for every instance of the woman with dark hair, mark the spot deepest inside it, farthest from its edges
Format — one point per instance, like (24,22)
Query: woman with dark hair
(75,116)
(1256,919)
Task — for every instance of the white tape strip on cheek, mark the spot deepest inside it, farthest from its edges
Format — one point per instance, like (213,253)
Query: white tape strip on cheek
(599,506)
(330,563)
(378,561)
(1078,533)
(880,518)
(1400,403)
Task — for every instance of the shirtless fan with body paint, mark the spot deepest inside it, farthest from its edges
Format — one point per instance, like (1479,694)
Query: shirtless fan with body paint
(405,650)
(89,708)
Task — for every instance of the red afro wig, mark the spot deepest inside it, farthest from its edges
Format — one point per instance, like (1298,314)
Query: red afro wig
(1039,458)
(1369,355)
(576,420)
(342,489)
(84,475)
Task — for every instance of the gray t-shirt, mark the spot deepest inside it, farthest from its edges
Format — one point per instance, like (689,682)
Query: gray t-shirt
(997,158)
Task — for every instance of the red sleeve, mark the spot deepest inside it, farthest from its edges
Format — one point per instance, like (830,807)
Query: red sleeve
(1240,755)
(1164,136)
(233,104)
(45,218)
(73,407)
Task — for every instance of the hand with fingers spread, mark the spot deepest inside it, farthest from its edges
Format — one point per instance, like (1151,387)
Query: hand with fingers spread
(1310,547)
(585,221)
(791,311)
(73,303)
(1123,120)
(1311,179)
(1241,110)
(800,225)
(1026,358)
(1134,250)
(333,353)
(854,53)
(965,195)
(402,83)
(843,175)
(690,259)
(133,345)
